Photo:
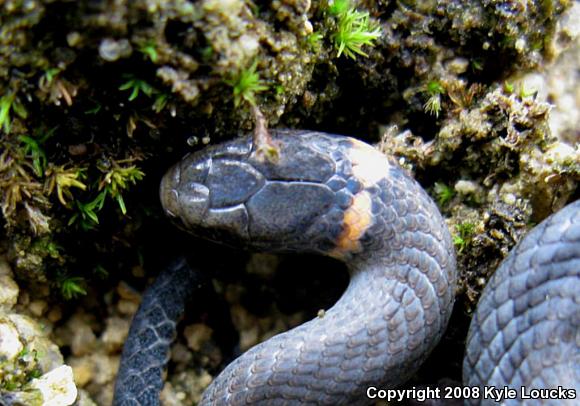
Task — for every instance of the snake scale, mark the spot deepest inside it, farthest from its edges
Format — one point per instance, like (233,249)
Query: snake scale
(336,196)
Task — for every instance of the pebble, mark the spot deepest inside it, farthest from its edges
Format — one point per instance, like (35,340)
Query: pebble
(55,314)
(8,288)
(82,370)
(115,333)
(10,345)
(5,267)
(180,353)
(84,399)
(37,307)
(104,368)
(57,387)
(111,50)
(34,337)
(8,292)
(83,339)
(127,307)
(127,292)
(466,187)
(197,335)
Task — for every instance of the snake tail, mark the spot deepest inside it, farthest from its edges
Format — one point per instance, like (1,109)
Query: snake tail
(146,351)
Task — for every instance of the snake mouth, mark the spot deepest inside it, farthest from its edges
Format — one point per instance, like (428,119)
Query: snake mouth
(168,193)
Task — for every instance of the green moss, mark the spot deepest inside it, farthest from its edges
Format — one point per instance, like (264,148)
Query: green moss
(149,50)
(61,180)
(18,372)
(434,90)
(118,178)
(32,149)
(9,105)
(22,194)
(463,235)
(72,287)
(115,178)
(444,193)
(160,102)
(135,87)
(354,30)
(508,87)
(245,84)
(315,40)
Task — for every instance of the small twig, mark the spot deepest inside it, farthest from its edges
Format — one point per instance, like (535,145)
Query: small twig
(264,148)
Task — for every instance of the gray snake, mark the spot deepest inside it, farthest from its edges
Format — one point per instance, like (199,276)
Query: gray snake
(329,195)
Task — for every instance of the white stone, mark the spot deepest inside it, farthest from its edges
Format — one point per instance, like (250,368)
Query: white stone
(57,387)
(10,345)
(466,187)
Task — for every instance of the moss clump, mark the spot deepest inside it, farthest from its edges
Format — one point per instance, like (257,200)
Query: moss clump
(18,372)
(245,84)
(504,170)
(354,30)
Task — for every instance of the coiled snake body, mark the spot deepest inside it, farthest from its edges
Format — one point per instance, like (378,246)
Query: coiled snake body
(526,331)
(330,195)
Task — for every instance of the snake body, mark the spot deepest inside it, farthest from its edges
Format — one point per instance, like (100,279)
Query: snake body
(526,331)
(330,195)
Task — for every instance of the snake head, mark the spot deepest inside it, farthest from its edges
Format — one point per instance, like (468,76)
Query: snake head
(224,193)
(204,192)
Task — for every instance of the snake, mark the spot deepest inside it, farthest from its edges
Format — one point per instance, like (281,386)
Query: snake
(337,196)
(525,333)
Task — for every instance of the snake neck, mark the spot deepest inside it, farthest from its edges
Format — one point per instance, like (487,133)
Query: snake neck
(393,312)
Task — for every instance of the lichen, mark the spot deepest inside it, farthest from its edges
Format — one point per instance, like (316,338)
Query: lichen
(506,168)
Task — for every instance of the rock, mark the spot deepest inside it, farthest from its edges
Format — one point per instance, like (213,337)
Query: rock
(115,333)
(82,370)
(84,399)
(104,367)
(8,292)
(10,345)
(5,268)
(467,187)
(36,341)
(197,335)
(127,307)
(83,339)
(111,50)
(57,386)
(37,307)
